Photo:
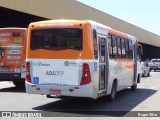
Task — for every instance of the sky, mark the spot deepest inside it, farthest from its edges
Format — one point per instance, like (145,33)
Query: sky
(142,13)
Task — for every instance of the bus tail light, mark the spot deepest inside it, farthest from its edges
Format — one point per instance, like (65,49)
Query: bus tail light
(28,76)
(86,76)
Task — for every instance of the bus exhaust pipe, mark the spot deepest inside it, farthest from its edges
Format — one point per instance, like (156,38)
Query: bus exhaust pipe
(49,96)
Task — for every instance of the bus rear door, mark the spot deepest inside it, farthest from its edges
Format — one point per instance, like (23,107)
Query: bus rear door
(103,63)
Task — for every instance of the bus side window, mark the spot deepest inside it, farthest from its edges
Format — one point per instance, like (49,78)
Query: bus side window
(130,49)
(103,49)
(119,47)
(127,48)
(114,46)
(95,47)
(109,46)
(123,48)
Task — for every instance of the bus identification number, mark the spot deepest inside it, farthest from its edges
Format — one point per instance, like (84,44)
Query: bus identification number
(56,73)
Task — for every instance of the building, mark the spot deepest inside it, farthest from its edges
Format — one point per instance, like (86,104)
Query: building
(19,13)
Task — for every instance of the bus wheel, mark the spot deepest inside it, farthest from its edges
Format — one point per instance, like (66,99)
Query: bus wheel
(148,74)
(19,83)
(134,87)
(112,96)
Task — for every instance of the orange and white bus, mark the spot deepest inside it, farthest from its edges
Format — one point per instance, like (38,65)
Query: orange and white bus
(72,58)
(13,54)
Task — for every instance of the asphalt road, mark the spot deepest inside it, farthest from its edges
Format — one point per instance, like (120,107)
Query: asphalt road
(144,101)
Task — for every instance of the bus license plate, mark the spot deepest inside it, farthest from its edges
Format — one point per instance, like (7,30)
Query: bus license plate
(55,92)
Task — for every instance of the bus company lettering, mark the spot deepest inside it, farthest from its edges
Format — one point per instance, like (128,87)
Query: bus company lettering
(14,57)
(55,73)
(3,39)
(15,49)
(40,64)
(5,34)
(56,25)
(71,63)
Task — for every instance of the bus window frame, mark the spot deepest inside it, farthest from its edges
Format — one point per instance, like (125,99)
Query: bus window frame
(116,52)
(49,46)
(130,48)
(109,45)
(124,46)
(119,47)
(95,44)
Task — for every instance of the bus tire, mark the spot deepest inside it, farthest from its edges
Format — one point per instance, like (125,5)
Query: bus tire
(134,87)
(112,96)
(19,84)
(148,74)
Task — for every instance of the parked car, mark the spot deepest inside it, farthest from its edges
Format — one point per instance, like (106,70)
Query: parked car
(154,64)
(145,69)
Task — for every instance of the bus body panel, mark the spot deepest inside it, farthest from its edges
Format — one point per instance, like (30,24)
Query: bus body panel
(69,53)
(12,53)
(63,75)
(71,91)
(55,72)
(122,70)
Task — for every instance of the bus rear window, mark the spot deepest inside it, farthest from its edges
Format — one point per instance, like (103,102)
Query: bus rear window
(56,38)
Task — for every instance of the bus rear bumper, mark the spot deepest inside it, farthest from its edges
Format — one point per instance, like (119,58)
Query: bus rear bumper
(87,91)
